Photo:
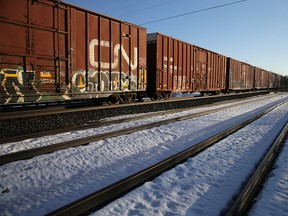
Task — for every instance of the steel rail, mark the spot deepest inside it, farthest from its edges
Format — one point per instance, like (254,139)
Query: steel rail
(100,198)
(100,123)
(16,125)
(26,154)
(243,202)
(40,112)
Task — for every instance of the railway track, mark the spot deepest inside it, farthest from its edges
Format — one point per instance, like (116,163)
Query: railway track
(42,184)
(13,114)
(99,198)
(100,123)
(25,154)
(244,201)
(39,121)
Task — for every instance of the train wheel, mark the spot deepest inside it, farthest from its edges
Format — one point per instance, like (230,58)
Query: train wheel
(122,99)
(127,98)
(112,100)
(140,99)
(166,96)
(132,98)
(155,97)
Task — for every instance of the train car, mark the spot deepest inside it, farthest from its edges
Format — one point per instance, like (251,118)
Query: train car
(209,71)
(169,66)
(50,50)
(283,82)
(273,80)
(239,76)
(176,66)
(261,79)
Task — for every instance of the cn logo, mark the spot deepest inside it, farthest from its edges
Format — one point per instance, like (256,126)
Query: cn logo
(117,48)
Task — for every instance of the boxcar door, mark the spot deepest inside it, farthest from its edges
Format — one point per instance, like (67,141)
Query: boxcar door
(200,70)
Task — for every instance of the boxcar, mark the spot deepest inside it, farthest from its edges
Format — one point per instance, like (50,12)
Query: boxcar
(51,50)
(169,66)
(176,66)
(240,76)
(261,78)
(283,82)
(209,71)
(273,82)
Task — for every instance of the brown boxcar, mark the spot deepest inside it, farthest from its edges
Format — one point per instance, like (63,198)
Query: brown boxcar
(177,66)
(283,81)
(240,76)
(261,78)
(209,71)
(169,66)
(273,82)
(51,50)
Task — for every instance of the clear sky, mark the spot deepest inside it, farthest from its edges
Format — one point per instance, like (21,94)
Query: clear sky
(252,31)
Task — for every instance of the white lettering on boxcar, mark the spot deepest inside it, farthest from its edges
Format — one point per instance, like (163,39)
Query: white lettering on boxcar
(117,48)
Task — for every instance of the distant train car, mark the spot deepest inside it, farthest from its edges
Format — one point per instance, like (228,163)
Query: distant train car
(239,76)
(51,50)
(273,81)
(177,66)
(261,79)
(169,66)
(209,71)
(283,80)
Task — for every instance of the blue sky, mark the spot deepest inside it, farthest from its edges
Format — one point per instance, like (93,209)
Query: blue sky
(252,31)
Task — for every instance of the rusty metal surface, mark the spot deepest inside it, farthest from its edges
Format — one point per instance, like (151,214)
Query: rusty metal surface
(170,63)
(216,75)
(273,81)
(261,78)
(54,51)
(200,69)
(240,74)
(178,66)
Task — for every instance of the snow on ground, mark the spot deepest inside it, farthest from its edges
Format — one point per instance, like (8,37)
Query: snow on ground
(273,199)
(205,184)
(44,183)
(53,139)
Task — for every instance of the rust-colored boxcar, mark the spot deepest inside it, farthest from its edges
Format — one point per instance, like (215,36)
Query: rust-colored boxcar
(261,78)
(177,66)
(52,50)
(240,76)
(209,71)
(283,81)
(273,81)
(169,66)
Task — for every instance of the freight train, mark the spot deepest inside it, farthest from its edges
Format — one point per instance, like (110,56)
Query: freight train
(54,51)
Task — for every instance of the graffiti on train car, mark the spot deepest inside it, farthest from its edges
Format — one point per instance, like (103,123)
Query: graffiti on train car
(180,81)
(105,84)
(19,85)
(118,48)
(109,81)
(15,83)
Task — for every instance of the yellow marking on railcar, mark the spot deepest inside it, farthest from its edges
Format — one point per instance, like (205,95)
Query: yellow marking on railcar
(45,75)
(10,75)
(81,85)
